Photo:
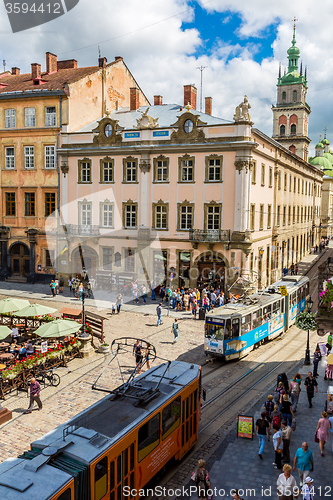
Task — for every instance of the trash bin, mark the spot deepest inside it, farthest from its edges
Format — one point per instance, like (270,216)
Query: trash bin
(202,313)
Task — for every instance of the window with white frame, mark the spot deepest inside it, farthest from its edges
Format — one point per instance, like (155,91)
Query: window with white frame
(187,170)
(86,215)
(50,116)
(107,215)
(84,171)
(214,171)
(161,216)
(186,217)
(29,117)
(107,171)
(10,118)
(29,157)
(213,217)
(130,215)
(161,170)
(9,158)
(130,171)
(49,156)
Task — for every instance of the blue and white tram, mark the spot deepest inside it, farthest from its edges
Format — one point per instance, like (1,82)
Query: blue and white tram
(233,330)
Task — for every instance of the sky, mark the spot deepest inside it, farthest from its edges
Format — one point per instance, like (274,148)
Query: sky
(239,42)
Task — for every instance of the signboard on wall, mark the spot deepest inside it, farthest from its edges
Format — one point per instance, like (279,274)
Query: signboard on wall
(43,346)
(245,427)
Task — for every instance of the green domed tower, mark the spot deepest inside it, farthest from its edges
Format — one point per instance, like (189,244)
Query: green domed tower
(291,112)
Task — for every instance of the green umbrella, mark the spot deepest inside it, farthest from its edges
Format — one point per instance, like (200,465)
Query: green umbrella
(58,328)
(4,332)
(34,310)
(11,304)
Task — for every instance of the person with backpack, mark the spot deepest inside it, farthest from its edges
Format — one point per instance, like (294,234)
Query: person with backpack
(282,377)
(278,393)
(201,478)
(269,407)
(276,417)
(294,393)
(262,428)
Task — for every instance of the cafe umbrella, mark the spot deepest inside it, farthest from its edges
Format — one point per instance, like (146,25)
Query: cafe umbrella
(34,310)
(4,332)
(11,304)
(58,328)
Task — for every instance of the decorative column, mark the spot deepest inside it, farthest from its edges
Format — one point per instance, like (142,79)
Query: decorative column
(31,234)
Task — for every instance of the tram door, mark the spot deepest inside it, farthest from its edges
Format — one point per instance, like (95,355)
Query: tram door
(189,420)
(122,474)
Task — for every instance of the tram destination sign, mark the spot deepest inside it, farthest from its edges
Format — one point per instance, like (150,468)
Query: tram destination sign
(245,427)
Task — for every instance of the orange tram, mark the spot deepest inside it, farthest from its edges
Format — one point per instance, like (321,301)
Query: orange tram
(112,449)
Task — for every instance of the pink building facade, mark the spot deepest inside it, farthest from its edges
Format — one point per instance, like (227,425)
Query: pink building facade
(166,193)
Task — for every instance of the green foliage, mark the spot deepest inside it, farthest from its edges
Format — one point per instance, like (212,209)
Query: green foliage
(306,321)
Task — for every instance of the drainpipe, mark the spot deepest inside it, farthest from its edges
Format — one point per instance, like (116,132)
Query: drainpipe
(58,193)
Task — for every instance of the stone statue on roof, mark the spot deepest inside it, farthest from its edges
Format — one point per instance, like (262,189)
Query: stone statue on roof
(242,111)
(146,121)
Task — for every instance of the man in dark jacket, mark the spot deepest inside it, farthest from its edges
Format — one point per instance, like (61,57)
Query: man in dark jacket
(34,395)
(310,383)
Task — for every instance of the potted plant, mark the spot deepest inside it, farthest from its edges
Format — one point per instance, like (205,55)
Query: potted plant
(104,348)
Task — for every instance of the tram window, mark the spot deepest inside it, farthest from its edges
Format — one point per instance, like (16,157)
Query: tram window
(256,318)
(293,299)
(183,412)
(149,437)
(125,461)
(112,475)
(132,457)
(267,313)
(101,478)
(235,327)
(276,306)
(65,495)
(215,331)
(170,417)
(228,329)
(195,396)
(119,469)
(132,481)
(282,306)
(187,408)
(246,323)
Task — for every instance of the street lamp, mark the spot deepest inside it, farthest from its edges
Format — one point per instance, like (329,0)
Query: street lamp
(307,351)
(82,296)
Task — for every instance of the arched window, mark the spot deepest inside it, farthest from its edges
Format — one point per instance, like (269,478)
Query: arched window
(282,130)
(284,96)
(294,95)
(293,129)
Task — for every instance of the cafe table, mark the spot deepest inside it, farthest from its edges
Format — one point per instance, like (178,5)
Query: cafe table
(4,345)
(2,367)
(6,356)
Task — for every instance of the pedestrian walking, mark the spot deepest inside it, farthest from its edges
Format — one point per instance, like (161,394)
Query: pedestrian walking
(276,417)
(294,393)
(282,377)
(316,359)
(175,330)
(278,447)
(296,269)
(159,314)
(194,308)
(303,461)
(323,428)
(119,302)
(331,432)
(137,351)
(201,478)
(262,429)
(34,395)
(292,269)
(286,435)
(310,384)
(52,286)
(70,283)
(307,489)
(56,286)
(298,379)
(286,409)
(148,355)
(269,407)
(152,288)
(144,293)
(279,393)
(329,344)
(61,284)
(286,484)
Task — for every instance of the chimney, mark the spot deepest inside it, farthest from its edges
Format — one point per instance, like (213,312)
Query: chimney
(118,58)
(36,73)
(51,63)
(208,105)
(15,71)
(158,100)
(190,95)
(134,98)
(102,62)
(68,64)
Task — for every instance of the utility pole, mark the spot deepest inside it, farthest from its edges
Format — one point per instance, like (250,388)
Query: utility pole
(201,68)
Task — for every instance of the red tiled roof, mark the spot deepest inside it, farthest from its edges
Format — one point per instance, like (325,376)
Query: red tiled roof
(52,81)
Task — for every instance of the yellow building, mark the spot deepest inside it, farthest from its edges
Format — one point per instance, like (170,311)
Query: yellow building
(35,109)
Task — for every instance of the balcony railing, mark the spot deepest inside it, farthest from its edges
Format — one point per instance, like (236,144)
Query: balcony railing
(82,230)
(210,235)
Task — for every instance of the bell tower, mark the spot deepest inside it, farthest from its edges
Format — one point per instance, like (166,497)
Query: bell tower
(291,112)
